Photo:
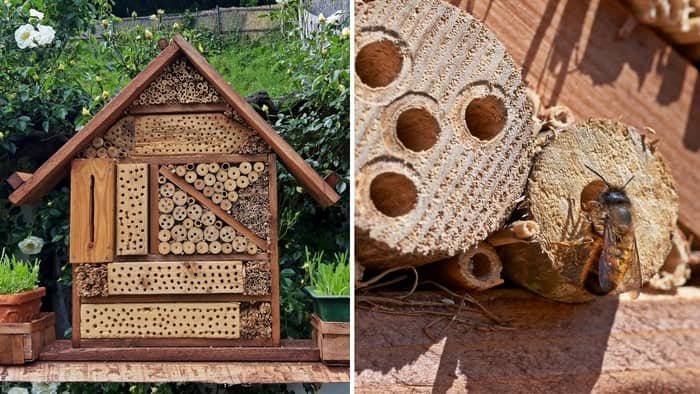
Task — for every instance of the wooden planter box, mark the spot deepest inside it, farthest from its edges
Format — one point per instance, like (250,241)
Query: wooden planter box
(333,340)
(22,342)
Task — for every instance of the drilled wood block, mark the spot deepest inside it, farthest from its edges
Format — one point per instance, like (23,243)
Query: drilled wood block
(164,320)
(195,277)
(443,132)
(92,203)
(132,205)
(188,134)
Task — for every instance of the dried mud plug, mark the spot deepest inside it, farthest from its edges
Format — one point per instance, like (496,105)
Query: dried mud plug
(606,207)
(444,132)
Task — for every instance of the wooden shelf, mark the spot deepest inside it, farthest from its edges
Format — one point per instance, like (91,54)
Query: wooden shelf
(61,363)
(609,345)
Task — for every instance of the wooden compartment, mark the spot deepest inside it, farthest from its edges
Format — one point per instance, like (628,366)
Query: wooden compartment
(333,340)
(22,342)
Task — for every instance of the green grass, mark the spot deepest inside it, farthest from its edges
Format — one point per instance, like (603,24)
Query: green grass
(17,276)
(251,66)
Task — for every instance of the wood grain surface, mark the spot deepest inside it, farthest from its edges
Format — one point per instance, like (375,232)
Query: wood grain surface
(571,55)
(609,345)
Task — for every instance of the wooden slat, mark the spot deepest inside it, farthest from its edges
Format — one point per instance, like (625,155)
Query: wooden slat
(173,342)
(549,347)
(302,171)
(125,299)
(18,178)
(195,158)
(54,169)
(92,201)
(190,108)
(187,188)
(194,257)
(290,350)
(132,206)
(274,249)
(12,349)
(570,56)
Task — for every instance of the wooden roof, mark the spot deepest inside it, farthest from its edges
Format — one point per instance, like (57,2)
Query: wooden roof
(57,166)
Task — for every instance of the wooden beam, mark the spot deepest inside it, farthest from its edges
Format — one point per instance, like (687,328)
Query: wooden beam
(160,109)
(302,171)
(18,178)
(52,171)
(612,344)
(570,56)
(209,204)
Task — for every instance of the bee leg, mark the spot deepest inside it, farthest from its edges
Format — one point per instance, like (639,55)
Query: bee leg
(585,240)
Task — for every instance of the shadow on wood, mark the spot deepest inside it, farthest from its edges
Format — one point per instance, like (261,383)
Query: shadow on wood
(606,345)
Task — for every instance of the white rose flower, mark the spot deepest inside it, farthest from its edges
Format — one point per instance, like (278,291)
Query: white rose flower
(36,14)
(18,390)
(31,245)
(346,32)
(25,35)
(335,18)
(321,18)
(282,2)
(46,35)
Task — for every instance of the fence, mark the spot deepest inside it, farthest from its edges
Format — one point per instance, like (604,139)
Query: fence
(309,17)
(248,21)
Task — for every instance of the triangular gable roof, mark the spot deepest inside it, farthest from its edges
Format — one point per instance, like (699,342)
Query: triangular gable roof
(57,166)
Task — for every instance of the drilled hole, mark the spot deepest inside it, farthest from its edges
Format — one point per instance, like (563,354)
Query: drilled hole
(485,117)
(393,194)
(417,129)
(480,266)
(379,63)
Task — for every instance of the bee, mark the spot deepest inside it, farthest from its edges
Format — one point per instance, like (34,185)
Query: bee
(618,263)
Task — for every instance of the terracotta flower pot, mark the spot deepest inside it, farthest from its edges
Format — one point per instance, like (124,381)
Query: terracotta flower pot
(22,307)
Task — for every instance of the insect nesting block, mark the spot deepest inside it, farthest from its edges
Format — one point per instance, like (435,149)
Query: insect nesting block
(443,130)
(560,187)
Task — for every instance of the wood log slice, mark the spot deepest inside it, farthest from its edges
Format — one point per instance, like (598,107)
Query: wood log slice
(553,264)
(443,131)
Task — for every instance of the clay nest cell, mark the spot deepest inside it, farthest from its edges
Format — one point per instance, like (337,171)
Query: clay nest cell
(256,320)
(257,278)
(91,279)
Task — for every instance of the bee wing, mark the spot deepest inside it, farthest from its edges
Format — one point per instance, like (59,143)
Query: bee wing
(633,279)
(606,270)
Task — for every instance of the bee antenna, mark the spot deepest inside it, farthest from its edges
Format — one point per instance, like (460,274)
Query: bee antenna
(597,173)
(628,182)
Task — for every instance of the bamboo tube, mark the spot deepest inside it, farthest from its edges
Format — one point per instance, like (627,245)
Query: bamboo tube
(167,190)
(226,205)
(222,175)
(98,142)
(252,177)
(162,180)
(188,223)
(179,213)
(232,196)
(180,171)
(164,248)
(164,235)
(195,234)
(226,248)
(478,269)
(208,218)
(215,247)
(202,169)
(218,187)
(214,168)
(230,185)
(252,249)
(209,179)
(91,153)
(189,166)
(188,247)
(202,247)
(208,191)
(216,198)
(218,224)
(242,182)
(227,234)
(166,221)
(259,166)
(245,167)
(165,205)
(102,152)
(199,184)
(190,200)
(178,233)
(194,211)
(176,247)
(180,197)
(225,166)
(233,173)
(211,233)
(190,177)
(113,152)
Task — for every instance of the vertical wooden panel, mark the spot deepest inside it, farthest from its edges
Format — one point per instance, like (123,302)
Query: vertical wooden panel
(12,349)
(92,203)
(274,251)
(132,205)
(153,208)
